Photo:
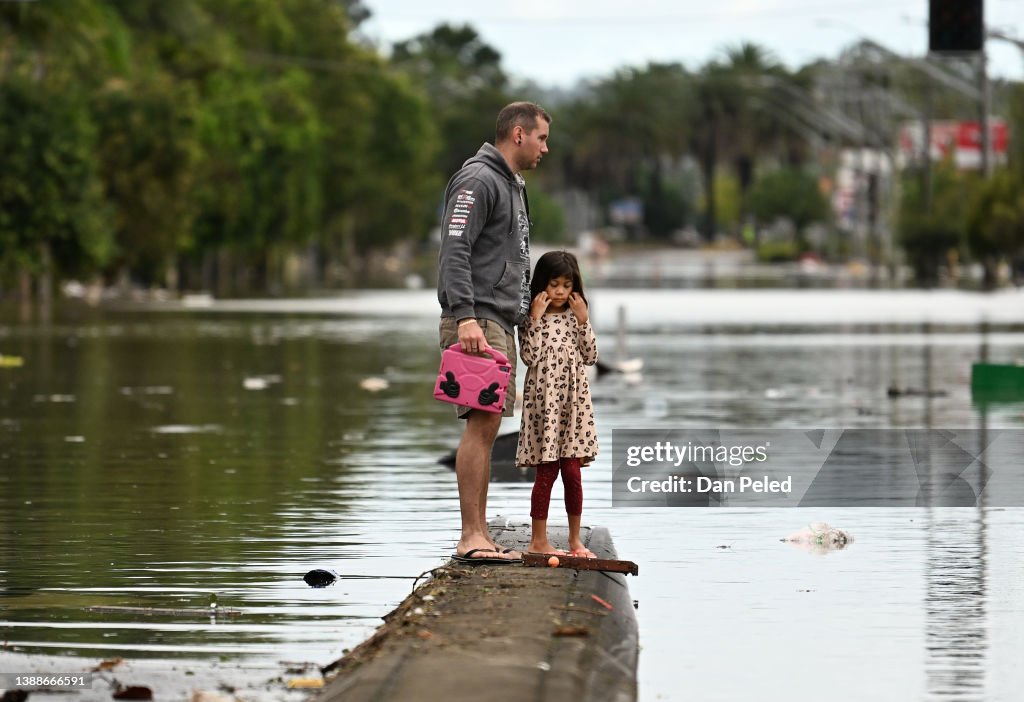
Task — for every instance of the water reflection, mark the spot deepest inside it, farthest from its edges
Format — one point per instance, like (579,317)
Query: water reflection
(956,622)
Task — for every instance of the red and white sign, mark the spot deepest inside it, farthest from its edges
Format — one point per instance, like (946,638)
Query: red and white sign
(961,139)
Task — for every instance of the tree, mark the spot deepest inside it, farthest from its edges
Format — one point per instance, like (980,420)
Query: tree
(53,216)
(730,127)
(789,193)
(928,234)
(461,76)
(624,132)
(995,223)
(149,157)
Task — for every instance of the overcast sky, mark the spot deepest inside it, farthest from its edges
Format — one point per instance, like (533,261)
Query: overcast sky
(556,42)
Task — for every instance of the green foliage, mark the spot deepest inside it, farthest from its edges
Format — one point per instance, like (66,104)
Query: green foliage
(788,193)
(727,201)
(778,251)
(148,155)
(51,197)
(667,208)
(929,230)
(995,219)
(260,185)
(243,127)
(547,217)
(462,78)
(624,126)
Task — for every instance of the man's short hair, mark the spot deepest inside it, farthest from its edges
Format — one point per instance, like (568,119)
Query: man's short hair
(518,114)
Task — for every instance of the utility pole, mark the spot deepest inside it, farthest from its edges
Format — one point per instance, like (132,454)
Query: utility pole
(984,117)
(926,164)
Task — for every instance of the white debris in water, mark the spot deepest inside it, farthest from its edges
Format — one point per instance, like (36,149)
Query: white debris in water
(820,538)
(260,382)
(75,439)
(54,398)
(186,429)
(153,390)
(373,384)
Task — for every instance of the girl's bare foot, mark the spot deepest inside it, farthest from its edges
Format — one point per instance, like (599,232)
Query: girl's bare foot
(580,551)
(544,547)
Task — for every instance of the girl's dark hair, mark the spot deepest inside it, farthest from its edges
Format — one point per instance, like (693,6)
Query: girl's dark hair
(552,265)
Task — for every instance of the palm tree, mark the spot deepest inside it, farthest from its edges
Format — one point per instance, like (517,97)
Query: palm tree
(731,127)
(626,126)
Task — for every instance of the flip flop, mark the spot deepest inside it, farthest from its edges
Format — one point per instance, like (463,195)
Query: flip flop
(583,553)
(468,559)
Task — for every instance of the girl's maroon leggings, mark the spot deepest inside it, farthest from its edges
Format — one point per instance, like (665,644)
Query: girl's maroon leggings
(572,481)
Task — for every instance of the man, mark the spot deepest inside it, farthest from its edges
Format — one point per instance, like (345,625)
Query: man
(484,290)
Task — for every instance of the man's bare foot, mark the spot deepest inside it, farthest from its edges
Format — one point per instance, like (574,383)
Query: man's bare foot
(502,550)
(486,547)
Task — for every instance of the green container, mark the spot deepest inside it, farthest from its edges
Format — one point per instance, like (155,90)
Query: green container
(993,382)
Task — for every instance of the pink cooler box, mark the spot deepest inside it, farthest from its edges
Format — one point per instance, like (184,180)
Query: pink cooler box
(473,381)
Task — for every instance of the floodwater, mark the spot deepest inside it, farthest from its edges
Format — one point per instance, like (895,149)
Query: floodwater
(161,458)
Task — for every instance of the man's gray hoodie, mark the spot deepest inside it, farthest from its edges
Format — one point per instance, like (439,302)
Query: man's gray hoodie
(484,264)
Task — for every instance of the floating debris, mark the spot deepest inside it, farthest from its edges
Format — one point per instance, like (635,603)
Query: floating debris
(186,429)
(54,398)
(373,384)
(320,578)
(820,538)
(254,384)
(260,382)
(151,390)
(305,683)
(11,361)
(133,692)
(108,664)
(895,391)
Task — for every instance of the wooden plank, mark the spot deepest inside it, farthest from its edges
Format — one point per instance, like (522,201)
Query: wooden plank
(540,560)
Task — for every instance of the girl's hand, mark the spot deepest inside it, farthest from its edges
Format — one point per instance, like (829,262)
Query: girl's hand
(579,308)
(540,305)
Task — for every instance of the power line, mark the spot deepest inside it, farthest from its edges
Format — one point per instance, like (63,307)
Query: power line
(636,18)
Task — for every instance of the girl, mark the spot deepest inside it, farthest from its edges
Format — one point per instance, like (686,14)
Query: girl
(557,431)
